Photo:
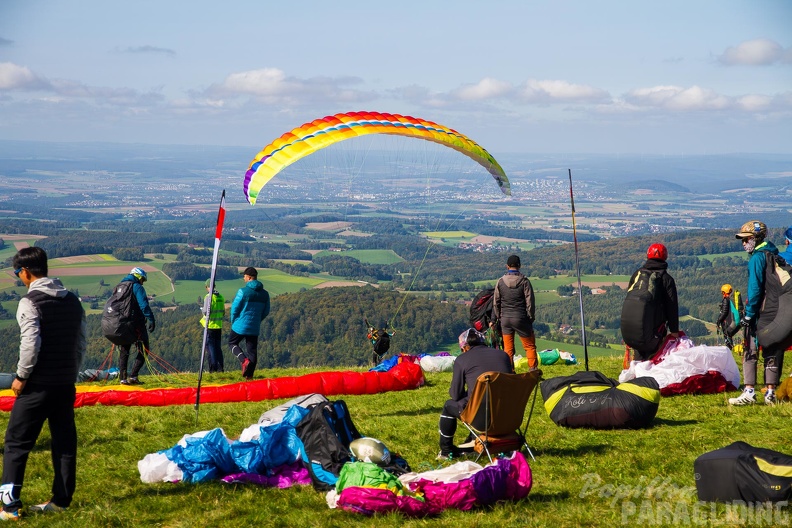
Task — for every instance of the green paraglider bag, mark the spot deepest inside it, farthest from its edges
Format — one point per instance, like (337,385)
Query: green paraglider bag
(549,357)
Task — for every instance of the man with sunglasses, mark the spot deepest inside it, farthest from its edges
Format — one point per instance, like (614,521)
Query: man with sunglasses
(752,234)
(52,345)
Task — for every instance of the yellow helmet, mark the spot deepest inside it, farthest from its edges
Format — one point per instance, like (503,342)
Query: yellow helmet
(753,228)
(726,290)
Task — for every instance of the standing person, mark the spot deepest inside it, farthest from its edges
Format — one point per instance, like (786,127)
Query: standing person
(251,305)
(645,321)
(214,333)
(757,316)
(787,253)
(142,313)
(514,307)
(475,360)
(52,345)
(730,314)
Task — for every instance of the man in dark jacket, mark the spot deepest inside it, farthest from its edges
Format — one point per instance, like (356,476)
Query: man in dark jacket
(475,360)
(251,305)
(142,314)
(51,349)
(514,307)
(757,315)
(667,314)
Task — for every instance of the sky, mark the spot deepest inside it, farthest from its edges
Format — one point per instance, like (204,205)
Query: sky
(677,77)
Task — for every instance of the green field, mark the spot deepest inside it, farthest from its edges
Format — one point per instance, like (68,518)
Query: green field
(366,256)
(449,234)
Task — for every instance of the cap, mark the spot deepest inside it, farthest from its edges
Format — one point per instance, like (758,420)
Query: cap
(470,337)
(513,261)
(251,272)
(788,235)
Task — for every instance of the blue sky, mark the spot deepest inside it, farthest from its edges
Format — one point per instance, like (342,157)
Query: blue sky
(578,76)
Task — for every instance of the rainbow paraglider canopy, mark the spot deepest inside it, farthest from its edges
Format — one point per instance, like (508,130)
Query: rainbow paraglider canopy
(321,133)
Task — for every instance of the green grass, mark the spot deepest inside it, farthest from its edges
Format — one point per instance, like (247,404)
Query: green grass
(576,472)
(366,256)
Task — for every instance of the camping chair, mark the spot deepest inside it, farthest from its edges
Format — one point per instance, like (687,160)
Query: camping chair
(495,411)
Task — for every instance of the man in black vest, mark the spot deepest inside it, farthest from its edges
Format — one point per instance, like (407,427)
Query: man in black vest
(476,359)
(52,345)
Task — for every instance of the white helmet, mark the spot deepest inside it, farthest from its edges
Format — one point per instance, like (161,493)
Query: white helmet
(140,273)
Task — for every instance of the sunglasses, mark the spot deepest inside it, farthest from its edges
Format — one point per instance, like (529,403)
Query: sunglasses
(18,271)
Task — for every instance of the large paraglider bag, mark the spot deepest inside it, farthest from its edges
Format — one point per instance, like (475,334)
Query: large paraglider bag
(326,432)
(120,318)
(641,314)
(775,320)
(382,344)
(742,472)
(592,400)
(481,309)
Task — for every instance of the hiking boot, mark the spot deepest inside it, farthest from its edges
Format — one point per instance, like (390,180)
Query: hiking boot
(47,507)
(770,398)
(746,398)
(9,515)
(245,365)
(125,382)
(134,381)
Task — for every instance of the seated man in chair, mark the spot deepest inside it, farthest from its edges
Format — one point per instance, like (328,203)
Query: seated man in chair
(476,359)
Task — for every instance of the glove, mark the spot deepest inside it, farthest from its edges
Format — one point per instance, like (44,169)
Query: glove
(745,322)
(151,326)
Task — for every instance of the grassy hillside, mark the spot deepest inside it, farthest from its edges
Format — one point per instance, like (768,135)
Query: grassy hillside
(581,476)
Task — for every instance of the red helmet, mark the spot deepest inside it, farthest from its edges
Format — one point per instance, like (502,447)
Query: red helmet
(657,251)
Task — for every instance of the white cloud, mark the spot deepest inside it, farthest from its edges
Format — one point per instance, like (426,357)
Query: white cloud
(273,86)
(15,77)
(757,52)
(486,88)
(556,91)
(677,98)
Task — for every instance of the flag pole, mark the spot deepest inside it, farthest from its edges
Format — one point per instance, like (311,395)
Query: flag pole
(577,264)
(208,301)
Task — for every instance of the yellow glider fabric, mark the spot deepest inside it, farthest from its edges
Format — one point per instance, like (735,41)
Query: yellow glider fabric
(324,132)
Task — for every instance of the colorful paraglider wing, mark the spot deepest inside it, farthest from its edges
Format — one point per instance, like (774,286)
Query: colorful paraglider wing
(321,133)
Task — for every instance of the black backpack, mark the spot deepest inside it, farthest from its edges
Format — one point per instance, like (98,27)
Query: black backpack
(642,316)
(481,309)
(775,320)
(121,317)
(381,341)
(326,432)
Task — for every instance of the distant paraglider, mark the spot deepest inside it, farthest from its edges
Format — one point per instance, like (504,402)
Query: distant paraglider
(321,133)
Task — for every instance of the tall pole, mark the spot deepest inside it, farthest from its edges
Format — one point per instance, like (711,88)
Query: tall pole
(577,265)
(207,309)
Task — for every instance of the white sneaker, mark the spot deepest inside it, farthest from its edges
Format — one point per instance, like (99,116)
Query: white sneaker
(746,398)
(770,398)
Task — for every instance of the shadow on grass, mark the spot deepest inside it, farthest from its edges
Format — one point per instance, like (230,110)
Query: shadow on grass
(663,421)
(596,449)
(415,412)
(548,497)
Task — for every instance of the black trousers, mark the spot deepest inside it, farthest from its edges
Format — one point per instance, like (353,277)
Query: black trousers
(448,423)
(140,359)
(250,352)
(214,344)
(35,405)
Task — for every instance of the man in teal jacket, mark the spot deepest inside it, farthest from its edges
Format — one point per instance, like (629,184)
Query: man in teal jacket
(251,305)
(752,234)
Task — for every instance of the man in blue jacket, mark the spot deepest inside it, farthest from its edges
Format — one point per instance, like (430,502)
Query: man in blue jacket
(753,234)
(143,317)
(251,305)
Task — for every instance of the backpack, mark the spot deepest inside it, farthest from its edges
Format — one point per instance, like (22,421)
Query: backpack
(481,309)
(641,317)
(774,328)
(326,432)
(120,319)
(381,341)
